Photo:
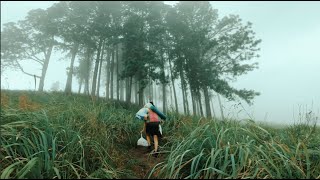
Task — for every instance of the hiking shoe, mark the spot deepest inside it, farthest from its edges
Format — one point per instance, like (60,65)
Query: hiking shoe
(155,154)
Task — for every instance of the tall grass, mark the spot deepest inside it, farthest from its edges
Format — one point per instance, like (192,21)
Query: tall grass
(214,149)
(50,135)
(64,138)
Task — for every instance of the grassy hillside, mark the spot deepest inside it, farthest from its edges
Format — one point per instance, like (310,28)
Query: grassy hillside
(50,135)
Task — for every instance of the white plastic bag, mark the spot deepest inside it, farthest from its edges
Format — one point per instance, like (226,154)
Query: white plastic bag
(142,141)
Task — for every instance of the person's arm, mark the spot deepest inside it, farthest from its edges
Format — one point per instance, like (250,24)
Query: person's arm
(144,128)
(145,122)
(147,115)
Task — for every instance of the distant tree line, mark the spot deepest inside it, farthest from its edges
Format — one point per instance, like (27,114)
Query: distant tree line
(137,47)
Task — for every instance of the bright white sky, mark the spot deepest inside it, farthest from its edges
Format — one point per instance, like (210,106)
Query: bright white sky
(289,67)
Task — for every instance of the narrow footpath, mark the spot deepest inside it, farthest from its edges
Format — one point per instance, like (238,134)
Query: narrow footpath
(144,161)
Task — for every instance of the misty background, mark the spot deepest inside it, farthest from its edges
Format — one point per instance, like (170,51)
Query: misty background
(288,75)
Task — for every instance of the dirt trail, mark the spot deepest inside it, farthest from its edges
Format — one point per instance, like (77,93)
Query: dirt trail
(144,161)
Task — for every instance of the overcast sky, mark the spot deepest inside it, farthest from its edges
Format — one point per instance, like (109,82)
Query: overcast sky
(288,77)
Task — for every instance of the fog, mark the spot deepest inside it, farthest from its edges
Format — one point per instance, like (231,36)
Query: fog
(288,75)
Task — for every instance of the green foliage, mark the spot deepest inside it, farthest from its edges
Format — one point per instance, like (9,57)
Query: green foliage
(66,138)
(228,149)
(73,137)
(211,51)
(207,51)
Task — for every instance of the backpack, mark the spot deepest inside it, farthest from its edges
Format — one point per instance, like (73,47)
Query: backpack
(153,117)
(141,113)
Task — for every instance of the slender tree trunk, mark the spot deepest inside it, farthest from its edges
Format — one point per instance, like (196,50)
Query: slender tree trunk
(221,110)
(87,61)
(194,104)
(136,92)
(121,83)
(183,93)
(95,72)
(164,98)
(200,104)
(140,92)
(100,66)
(207,101)
(112,72)
(45,66)
(174,89)
(118,79)
(171,98)
(164,94)
(108,73)
(132,92)
(187,102)
(197,104)
(99,78)
(192,101)
(128,90)
(68,88)
(121,90)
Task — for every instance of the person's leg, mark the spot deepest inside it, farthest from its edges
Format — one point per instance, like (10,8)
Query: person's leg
(149,143)
(148,139)
(148,136)
(155,140)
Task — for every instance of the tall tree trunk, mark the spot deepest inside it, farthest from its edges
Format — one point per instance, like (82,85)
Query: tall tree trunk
(136,92)
(112,72)
(197,104)
(140,92)
(99,78)
(121,81)
(221,110)
(164,94)
(200,104)
(121,90)
(118,79)
(187,102)
(207,101)
(87,61)
(164,98)
(151,90)
(45,66)
(171,98)
(100,66)
(194,104)
(174,89)
(95,72)
(68,87)
(128,89)
(108,73)
(183,93)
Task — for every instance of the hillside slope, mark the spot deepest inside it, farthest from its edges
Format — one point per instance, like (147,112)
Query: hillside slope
(50,135)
